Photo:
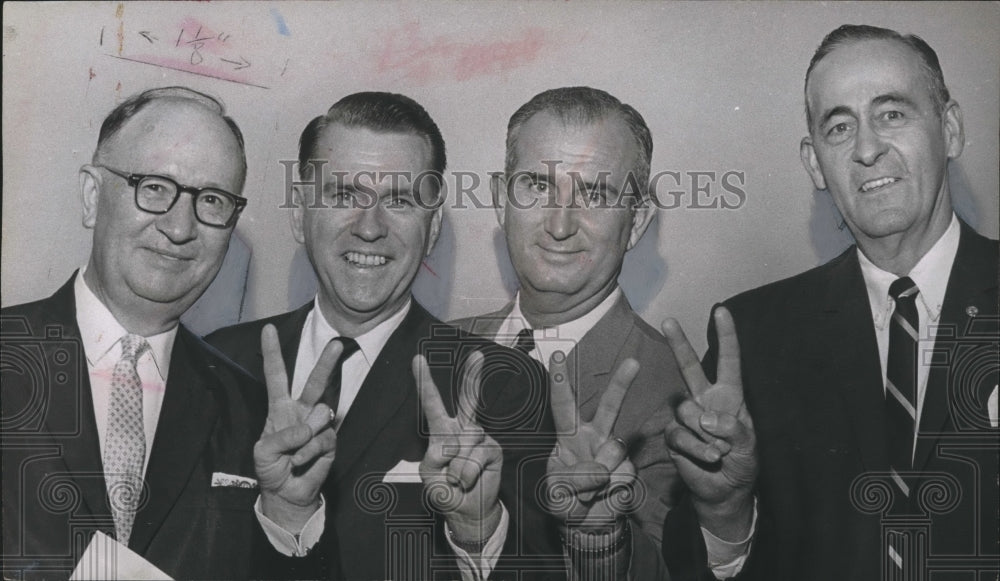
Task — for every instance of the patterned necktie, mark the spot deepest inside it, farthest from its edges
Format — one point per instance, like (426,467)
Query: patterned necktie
(525,341)
(125,441)
(901,402)
(331,396)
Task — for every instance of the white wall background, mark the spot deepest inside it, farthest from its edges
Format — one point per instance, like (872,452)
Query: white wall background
(720,85)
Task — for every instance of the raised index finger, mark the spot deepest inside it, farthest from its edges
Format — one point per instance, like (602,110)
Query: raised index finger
(468,397)
(611,401)
(687,359)
(729,348)
(430,399)
(275,376)
(561,395)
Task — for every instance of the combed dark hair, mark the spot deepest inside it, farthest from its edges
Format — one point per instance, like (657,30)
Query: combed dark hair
(581,106)
(130,108)
(377,111)
(850,33)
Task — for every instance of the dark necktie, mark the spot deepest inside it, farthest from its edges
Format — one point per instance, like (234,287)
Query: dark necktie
(901,374)
(901,405)
(331,396)
(525,341)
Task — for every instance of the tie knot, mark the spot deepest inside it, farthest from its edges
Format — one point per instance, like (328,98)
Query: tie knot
(133,346)
(525,341)
(903,288)
(350,347)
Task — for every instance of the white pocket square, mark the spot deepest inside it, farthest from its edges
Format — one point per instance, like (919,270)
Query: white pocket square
(991,408)
(221,479)
(404,472)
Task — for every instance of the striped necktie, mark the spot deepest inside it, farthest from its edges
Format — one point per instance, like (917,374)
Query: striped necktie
(901,401)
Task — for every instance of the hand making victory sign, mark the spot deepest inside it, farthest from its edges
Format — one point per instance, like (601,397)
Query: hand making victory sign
(296,449)
(589,463)
(711,436)
(461,468)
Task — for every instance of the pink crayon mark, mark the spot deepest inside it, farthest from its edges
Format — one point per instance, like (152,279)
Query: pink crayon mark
(422,59)
(92,73)
(154,386)
(200,37)
(424,264)
(194,69)
(106,375)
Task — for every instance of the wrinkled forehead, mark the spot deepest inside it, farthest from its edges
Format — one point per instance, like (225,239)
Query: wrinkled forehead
(547,141)
(179,139)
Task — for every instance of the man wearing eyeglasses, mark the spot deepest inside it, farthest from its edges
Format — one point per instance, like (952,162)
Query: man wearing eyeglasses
(116,418)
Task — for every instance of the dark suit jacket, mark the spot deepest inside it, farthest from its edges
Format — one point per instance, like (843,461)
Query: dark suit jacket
(813,383)
(385,531)
(618,335)
(54,493)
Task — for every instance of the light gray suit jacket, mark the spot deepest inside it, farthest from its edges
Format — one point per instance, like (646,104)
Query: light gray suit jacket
(618,335)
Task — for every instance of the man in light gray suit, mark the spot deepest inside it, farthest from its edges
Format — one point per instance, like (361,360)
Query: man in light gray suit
(573,200)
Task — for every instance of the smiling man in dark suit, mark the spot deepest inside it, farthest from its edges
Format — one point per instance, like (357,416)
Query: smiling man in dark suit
(368,212)
(115,417)
(871,380)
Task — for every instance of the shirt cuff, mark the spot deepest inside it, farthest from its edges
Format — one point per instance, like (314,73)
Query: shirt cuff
(285,542)
(477,569)
(725,558)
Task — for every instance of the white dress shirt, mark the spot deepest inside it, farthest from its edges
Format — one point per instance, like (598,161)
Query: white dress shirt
(316,334)
(101,334)
(562,337)
(931,276)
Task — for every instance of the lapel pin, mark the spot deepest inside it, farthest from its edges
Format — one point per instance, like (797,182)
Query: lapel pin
(972,310)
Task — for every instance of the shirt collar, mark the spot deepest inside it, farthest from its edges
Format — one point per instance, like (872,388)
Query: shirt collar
(571,330)
(926,274)
(101,332)
(371,343)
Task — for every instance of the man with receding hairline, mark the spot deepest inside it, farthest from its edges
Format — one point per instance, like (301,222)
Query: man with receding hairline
(116,418)
(871,380)
(573,200)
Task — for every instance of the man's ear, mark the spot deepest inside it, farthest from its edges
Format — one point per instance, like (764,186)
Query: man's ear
(642,216)
(808,154)
(954,129)
(498,186)
(90,192)
(432,236)
(298,215)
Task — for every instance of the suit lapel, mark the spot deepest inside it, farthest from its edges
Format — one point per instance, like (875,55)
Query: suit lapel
(186,421)
(389,383)
(81,454)
(596,355)
(972,288)
(487,325)
(844,330)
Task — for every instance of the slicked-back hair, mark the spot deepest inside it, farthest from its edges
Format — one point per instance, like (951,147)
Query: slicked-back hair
(584,106)
(380,112)
(129,108)
(852,33)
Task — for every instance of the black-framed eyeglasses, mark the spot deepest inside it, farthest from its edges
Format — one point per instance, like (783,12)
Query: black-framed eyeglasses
(158,194)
